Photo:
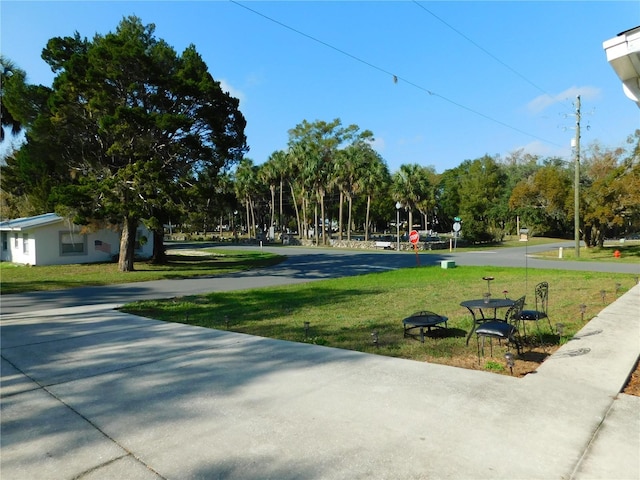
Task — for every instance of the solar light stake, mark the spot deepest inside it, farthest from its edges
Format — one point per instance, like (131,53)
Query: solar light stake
(510,361)
(504,292)
(603,294)
(306,329)
(618,285)
(583,308)
(374,337)
(226,321)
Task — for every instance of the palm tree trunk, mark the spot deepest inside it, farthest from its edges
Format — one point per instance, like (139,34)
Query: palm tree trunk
(324,227)
(366,222)
(295,206)
(350,200)
(315,226)
(280,217)
(273,206)
(340,216)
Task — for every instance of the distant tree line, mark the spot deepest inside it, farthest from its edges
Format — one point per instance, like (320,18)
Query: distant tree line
(132,131)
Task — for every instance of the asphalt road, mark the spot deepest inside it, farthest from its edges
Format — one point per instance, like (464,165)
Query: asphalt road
(301,265)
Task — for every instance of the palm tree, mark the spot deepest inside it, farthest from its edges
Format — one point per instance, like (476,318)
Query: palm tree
(268,174)
(279,161)
(409,187)
(9,75)
(246,186)
(374,180)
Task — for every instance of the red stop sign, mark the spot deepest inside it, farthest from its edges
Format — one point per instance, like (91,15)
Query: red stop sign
(414,237)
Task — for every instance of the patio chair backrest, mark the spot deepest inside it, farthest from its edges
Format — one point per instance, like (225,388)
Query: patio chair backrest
(542,296)
(513,314)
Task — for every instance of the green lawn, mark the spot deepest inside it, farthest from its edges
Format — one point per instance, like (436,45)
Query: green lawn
(19,279)
(629,253)
(344,312)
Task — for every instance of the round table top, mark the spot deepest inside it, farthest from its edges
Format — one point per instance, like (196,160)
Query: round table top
(424,319)
(492,303)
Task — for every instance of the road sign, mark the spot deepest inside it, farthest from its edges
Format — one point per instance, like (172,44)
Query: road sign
(456,227)
(414,237)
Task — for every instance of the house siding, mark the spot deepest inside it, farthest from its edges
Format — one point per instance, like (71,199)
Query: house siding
(44,244)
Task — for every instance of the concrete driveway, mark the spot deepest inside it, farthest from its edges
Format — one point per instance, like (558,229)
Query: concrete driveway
(88,392)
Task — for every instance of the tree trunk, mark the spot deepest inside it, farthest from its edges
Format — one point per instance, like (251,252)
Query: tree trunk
(280,216)
(366,222)
(253,219)
(305,231)
(324,229)
(315,226)
(295,205)
(127,245)
(340,216)
(273,206)
(350,200)
(159,253)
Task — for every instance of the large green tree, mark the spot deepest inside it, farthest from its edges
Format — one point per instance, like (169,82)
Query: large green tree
(543,199)
(413,186)
(316,145)
(610,196)
(31,169)
(481,185)
(138,123)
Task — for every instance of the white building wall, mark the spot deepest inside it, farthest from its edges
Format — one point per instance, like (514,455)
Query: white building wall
(16,251)
(44,245)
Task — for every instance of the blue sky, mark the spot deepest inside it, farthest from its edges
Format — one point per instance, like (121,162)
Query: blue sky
(473,78)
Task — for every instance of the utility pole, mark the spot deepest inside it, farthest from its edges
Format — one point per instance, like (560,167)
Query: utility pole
(576,187)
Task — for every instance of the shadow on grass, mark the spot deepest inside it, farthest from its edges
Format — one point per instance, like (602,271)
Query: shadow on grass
(439,333)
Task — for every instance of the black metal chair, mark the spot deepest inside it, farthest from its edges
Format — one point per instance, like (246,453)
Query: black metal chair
(506,329)
(539,312)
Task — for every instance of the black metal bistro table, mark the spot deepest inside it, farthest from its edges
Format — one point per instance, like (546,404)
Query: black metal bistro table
(480,306)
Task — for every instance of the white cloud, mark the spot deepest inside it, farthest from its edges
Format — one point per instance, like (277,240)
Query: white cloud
(231,90)
(543,102)
(543,149)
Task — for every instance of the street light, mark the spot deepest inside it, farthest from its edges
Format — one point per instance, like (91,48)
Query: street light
(398,207)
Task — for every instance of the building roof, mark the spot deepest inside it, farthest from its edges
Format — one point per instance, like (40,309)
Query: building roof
(27,223)
(623,54)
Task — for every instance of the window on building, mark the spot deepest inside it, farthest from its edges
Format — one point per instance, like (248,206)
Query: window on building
(5,241)
(25,243)
(73,244)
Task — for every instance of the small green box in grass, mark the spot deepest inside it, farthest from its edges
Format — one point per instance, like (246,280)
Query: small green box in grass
(447,264)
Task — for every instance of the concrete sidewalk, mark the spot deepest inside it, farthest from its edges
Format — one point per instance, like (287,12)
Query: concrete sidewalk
(92,393)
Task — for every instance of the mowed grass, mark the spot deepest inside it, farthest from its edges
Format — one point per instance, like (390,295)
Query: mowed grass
(629,253)
(19,279)
(343,313)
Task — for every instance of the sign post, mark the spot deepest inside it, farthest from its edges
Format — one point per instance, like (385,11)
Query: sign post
(414,238)
(456,229)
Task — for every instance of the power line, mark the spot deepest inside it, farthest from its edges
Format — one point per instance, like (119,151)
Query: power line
(479,47)
(394,77)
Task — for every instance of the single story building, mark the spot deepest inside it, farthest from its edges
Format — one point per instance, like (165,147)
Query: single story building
(49,239)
